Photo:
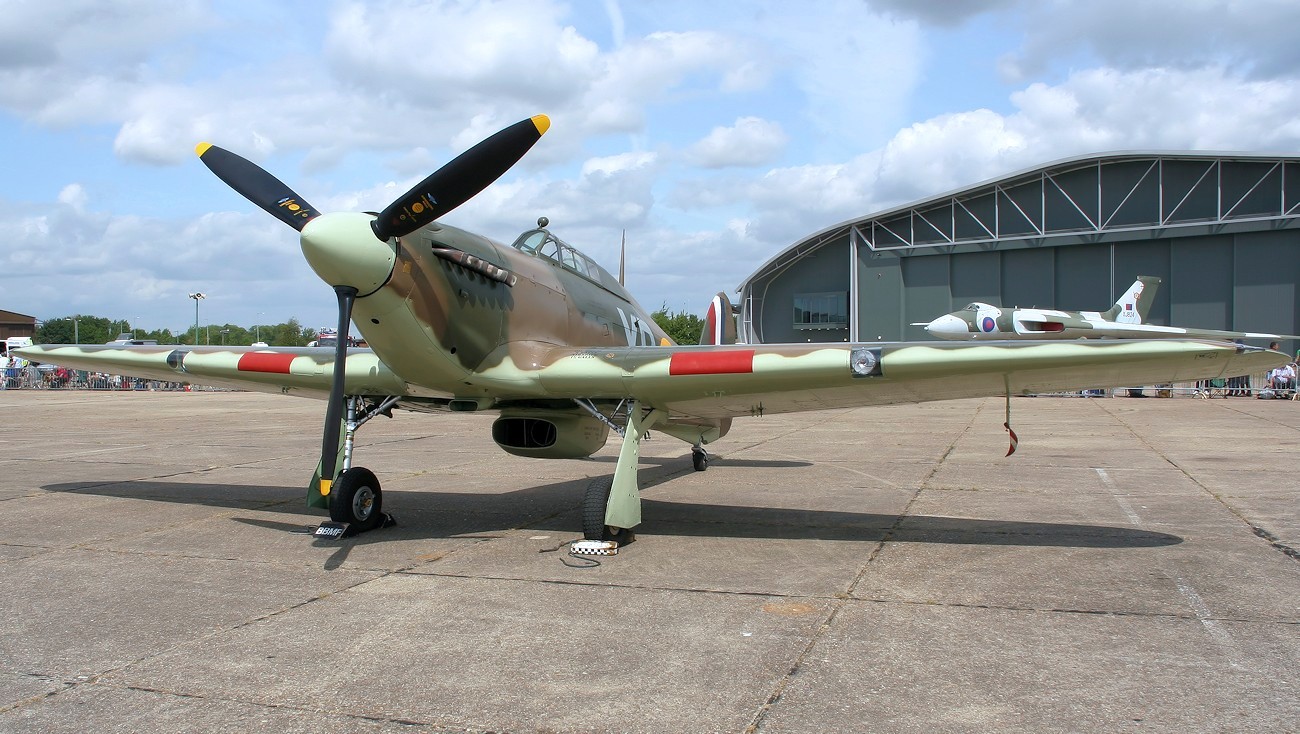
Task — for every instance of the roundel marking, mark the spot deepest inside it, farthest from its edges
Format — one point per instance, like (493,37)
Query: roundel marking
(988,324)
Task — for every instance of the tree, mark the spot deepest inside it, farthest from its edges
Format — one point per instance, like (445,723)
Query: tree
(682,327)
(99,330)
(77,330)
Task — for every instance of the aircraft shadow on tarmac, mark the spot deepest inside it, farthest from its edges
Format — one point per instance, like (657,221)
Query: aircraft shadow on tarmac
(555,507)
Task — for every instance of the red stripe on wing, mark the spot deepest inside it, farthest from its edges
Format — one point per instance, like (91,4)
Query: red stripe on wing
(712,363)
(265,362)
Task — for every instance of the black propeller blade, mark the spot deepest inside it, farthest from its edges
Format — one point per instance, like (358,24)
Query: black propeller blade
(458,181)
(256,185)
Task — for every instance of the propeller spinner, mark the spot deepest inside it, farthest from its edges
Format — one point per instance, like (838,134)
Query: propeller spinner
(357,260)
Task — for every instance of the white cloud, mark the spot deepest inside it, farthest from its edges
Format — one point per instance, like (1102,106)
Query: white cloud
(671,131)
(74,195)
(1091,112)
(89,33)
(856,67)
(617,163)
(752,141)
(444,52)
(1257,38)
(939,12)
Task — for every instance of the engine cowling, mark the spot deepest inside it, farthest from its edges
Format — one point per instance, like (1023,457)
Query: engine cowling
(549,435)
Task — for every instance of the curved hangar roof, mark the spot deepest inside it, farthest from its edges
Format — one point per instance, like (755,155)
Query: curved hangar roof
(1100,197)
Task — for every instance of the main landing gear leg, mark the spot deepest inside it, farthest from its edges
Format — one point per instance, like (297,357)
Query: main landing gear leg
(612,506)
(355,500)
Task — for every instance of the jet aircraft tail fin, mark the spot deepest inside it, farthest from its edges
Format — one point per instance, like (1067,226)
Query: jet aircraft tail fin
(719,322)
(1135,304)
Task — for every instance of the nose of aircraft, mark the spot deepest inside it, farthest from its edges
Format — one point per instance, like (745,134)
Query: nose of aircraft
(948,327)
(343,250)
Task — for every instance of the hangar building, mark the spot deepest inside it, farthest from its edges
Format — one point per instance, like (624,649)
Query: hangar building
(1222,230)
(16,324)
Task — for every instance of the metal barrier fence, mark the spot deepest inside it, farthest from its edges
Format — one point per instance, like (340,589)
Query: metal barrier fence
(31,378)
(1256,386)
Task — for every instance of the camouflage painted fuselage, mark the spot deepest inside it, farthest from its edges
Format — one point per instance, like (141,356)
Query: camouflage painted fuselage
(451,330)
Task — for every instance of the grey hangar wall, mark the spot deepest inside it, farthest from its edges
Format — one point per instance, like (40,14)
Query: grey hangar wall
(1222,231)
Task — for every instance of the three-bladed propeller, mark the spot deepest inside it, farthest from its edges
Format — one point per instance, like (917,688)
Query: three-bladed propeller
(332,239)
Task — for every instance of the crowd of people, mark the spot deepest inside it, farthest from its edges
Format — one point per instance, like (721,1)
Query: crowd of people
(19,374)
(1279,382)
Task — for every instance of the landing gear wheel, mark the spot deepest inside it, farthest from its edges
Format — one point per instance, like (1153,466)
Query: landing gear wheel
(593,512)
(356,499)
(699,458)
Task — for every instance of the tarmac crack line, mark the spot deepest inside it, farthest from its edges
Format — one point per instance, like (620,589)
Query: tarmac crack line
(1265,535)
(306,709)
(107,674)
(1087,612)
(843,599)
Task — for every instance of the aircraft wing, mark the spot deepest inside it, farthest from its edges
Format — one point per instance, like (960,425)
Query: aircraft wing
(290,370)
(736,380)
(1153,331)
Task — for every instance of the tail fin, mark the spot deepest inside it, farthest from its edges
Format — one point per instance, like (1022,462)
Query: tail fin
(719,322)
(1135,304)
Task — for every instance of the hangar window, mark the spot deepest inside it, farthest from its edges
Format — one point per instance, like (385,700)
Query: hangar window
(821,310)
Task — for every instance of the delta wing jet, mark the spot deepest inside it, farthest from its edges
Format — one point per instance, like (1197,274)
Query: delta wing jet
(539,335)
(1127,319)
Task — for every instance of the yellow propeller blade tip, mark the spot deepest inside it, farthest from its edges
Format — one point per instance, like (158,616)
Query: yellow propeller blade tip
(202,148)
(542,123)
(324,487)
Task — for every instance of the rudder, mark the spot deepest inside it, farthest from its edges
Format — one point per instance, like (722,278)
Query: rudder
(719,322)
(1135,304)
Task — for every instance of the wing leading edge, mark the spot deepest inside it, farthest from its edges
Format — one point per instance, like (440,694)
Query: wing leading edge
(292,370)
(717,382)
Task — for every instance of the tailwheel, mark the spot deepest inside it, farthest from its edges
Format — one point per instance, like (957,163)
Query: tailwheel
(593,513)
(356,499)
(699,458)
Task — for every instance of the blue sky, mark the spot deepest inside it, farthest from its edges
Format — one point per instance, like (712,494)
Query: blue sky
(714,134)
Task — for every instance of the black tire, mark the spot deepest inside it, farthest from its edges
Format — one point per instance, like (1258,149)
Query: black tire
(593,511)
(357,500)
(699,459)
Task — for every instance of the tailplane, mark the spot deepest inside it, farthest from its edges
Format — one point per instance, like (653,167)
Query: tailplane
(719,322)
(1135,304)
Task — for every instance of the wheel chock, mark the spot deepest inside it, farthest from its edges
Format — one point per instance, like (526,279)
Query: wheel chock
(330,530)
(593,548)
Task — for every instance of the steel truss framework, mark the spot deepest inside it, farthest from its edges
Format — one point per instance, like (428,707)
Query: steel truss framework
(1098,196)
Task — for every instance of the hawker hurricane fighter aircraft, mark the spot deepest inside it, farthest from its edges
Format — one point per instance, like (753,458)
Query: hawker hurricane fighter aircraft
(1125,320)
(547,340)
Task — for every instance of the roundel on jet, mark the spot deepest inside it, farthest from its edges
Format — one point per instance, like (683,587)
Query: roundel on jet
(987,324)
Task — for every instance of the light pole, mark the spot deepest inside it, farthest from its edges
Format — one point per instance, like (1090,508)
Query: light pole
(133,323)
(76,329)
(197,297)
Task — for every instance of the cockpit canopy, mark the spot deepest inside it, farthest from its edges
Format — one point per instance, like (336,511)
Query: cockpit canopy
(542,242)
